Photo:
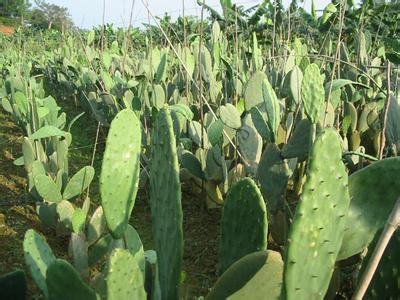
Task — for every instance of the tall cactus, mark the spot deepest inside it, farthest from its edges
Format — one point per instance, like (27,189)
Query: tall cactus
(165,201)
(120,171)
(244,224)
(318,227)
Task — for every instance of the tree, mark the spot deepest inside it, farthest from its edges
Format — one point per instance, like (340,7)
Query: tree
(12,10)
(54,16)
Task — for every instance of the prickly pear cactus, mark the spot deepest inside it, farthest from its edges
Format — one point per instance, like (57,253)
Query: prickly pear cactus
(13,285)
(374,191)
(165,201)
(313,93)
(124,277)
(273,174)
(64,282)
(267,281)
(38,257)
(79,182)
(47,188)
(318,226)
(253,277)
(120,171)
(244,223)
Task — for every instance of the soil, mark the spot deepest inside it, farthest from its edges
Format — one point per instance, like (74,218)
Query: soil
(17,212)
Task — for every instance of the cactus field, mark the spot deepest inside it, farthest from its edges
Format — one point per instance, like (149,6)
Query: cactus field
(247,153)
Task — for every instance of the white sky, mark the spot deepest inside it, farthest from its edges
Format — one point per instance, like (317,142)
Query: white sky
(88,13)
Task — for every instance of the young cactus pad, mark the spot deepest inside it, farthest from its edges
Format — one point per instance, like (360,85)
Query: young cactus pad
(318,227)
(165,201)
(244,224)
(120,171)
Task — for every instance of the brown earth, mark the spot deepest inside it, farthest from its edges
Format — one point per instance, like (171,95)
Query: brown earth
(7,30)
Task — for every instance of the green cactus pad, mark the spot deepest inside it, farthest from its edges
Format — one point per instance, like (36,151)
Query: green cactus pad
(47,188)
(373,191)
(230,116)
(272,107)
(259,273)
(244,224)
(29,154)
(134,244)
(165,202)
(97,225)
(79,182)
(78,250)
(300,141)
(64,282)
(13,286)
(120,171)
(47,213)
(253,93)
(313,93)
(78,220)
(318,227)
(100,249)
(38,257)
(65,211)
(124,277)
(273,174)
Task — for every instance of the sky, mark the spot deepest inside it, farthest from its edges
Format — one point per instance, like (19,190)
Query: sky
(89,13)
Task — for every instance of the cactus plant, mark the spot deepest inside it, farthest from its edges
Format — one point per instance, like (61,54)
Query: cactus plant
(120,171)
(244,224)
(124,277)
(165,202)
(253,276)
(374,191)
(273,174)
(38,257)
(64,282)
(312,92)
(13,285)
(318,228)
(47,188)
(79,182)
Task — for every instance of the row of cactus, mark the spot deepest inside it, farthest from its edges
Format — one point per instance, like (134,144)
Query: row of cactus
(264,123)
